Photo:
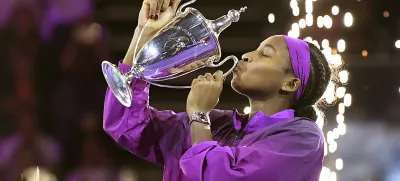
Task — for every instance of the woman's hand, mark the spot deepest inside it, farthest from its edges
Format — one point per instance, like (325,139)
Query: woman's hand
(160,13)
(205,93)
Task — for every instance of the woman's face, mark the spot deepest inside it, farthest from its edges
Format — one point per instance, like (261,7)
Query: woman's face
(264,71)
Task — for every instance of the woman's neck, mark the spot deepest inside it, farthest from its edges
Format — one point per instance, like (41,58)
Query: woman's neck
(268,106)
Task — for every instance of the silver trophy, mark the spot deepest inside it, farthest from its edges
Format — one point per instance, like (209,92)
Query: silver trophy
(188,43)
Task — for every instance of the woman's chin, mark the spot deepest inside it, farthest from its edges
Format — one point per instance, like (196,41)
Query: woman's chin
(236,80)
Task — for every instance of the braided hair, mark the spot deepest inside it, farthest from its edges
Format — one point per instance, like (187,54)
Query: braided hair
(319,78)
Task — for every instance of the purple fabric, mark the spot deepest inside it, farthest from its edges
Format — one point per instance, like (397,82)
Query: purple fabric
(277,147)
(299,53)
(258,120)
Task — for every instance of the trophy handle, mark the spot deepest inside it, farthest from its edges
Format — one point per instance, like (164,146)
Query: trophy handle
(180,10)
(210,64)
(235,62)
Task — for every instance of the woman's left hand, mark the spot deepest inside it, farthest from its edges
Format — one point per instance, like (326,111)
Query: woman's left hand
(205,93)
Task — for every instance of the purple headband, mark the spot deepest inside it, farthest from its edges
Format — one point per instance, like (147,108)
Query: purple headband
(299,53)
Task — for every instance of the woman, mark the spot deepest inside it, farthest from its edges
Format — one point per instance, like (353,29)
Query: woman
(278,140)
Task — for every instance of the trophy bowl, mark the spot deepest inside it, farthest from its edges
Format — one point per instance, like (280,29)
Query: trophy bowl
(188,43)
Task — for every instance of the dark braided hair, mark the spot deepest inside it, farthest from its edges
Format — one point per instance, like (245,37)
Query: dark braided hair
(318,81)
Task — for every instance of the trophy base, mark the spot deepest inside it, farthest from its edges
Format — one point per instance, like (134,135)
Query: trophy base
(118,83)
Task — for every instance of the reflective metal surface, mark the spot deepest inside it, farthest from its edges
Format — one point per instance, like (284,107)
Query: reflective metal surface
(189,42)
(117,82)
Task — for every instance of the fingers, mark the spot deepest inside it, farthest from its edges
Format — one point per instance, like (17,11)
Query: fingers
(195,81)
(175,4)
(219,76)
(152,4)
(165,5)
(209,77)
(155,7)
(201,78)
(158,10)
(193,66)
(216,77)
(145,9)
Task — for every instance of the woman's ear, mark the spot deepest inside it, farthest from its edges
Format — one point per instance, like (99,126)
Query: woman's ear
(291,85)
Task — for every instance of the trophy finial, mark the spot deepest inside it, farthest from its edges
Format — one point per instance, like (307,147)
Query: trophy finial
(225,21)
(243,9)
(235,14)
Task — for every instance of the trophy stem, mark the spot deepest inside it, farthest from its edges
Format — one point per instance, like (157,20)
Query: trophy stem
(129,77)
(136,71)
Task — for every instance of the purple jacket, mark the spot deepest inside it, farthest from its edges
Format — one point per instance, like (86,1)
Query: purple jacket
(269,148)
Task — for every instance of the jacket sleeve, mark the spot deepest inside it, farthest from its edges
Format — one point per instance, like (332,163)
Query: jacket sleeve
(278,158)
(143,130)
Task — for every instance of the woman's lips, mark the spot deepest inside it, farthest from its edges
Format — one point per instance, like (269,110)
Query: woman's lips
(239,67)
(236,70)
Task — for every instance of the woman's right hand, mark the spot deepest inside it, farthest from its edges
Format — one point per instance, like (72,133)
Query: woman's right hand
(159,12)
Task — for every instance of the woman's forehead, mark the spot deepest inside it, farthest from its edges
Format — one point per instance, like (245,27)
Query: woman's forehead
(278,42)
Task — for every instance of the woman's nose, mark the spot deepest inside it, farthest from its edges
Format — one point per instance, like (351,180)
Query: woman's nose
(246,57)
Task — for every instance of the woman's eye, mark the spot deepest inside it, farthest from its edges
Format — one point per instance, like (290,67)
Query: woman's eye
(264,54)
